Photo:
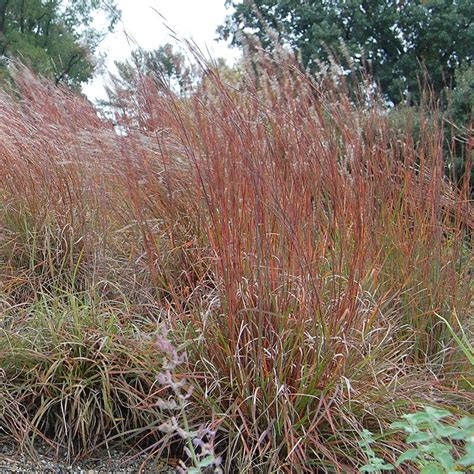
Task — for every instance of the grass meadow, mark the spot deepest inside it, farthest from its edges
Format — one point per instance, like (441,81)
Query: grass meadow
(243,278)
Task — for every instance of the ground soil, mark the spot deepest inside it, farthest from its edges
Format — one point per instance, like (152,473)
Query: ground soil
(13,460)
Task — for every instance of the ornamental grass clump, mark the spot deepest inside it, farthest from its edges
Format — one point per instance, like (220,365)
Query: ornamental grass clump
(336,245)
(81,375)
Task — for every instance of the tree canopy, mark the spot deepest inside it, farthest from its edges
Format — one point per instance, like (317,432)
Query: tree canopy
(399,40)
(56,38)
(168,69)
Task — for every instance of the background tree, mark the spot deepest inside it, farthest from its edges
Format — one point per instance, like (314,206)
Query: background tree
(161,70)
(56,38)
(166,69)
(401,40)
(165,66)
(407,46)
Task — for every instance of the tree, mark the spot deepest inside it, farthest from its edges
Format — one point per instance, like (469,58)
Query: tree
(460,117)
(158,71)
(166,67)
(56,38)
(162,71)
(400,40)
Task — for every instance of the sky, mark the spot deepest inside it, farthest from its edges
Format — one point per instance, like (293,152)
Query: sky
(190,19)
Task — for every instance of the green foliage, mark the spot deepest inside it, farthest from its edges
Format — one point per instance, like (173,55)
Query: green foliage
(459,116)
(400,41)
(375,464)
(56,38)
(462,105)
(439,446)
(461,339)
